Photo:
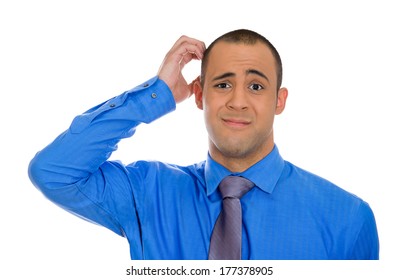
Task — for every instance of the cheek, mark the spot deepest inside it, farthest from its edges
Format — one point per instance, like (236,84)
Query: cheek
(211,107)
(211,118)
(265,114)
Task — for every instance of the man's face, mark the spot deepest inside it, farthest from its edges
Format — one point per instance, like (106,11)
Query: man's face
(239,99)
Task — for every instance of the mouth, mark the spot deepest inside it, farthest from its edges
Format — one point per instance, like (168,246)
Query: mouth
(236,123)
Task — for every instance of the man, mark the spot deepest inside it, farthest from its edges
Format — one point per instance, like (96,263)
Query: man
(178,212)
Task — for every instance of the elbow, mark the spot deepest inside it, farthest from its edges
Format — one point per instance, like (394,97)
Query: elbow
(37,172)
(48,172)
(45,174)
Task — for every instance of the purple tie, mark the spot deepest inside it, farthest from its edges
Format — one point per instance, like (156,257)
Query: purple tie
(226,235)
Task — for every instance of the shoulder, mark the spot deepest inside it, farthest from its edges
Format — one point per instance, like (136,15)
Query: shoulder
(317,190)
(326,198)
(343,217)
(308,180)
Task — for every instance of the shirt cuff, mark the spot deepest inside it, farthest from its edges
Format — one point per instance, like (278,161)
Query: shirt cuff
(155,97)
(144,103)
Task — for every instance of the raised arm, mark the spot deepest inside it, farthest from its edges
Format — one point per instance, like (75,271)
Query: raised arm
(73,170)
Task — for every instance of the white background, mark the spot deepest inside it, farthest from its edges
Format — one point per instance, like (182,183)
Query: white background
(60,58)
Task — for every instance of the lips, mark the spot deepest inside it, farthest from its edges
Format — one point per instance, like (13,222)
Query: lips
(236,122)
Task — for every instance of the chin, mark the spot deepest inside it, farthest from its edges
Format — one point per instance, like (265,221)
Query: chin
(237,151)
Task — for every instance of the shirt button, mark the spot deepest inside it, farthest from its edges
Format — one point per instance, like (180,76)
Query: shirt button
(154,95)
(112,105)
(146,85)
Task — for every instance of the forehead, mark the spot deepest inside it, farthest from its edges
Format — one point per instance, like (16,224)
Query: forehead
(239,57)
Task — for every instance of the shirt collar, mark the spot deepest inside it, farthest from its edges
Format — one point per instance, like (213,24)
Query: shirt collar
(264,174)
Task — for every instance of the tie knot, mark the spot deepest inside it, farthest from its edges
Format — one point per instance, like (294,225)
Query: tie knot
(235,186)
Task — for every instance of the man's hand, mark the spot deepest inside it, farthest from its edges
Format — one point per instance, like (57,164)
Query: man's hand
(183,51)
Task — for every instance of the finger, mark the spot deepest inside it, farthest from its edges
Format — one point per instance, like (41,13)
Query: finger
(187,45)
(187,50)
(185,39)
(187,57)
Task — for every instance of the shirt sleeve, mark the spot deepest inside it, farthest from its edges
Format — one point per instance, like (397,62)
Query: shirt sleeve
(366,246)
(73,170)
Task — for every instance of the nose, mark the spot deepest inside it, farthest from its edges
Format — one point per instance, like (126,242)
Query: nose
(237,100)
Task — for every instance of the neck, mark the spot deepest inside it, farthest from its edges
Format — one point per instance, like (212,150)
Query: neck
(237,163)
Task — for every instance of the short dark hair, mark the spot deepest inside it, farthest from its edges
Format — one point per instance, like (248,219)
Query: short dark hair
(247,37)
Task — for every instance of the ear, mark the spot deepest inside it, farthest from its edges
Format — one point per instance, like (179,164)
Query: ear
(281,100)
(197,88)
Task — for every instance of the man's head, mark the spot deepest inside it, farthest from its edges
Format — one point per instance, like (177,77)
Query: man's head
(240,94)
(246,37)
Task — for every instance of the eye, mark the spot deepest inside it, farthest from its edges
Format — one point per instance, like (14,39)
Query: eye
(223,85)
(256,87)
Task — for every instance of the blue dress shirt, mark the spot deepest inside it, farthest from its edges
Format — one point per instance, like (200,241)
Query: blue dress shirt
(168,211)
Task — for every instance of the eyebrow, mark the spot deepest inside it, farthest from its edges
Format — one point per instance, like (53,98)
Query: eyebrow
(224,76)
(257,72)
(248,72)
